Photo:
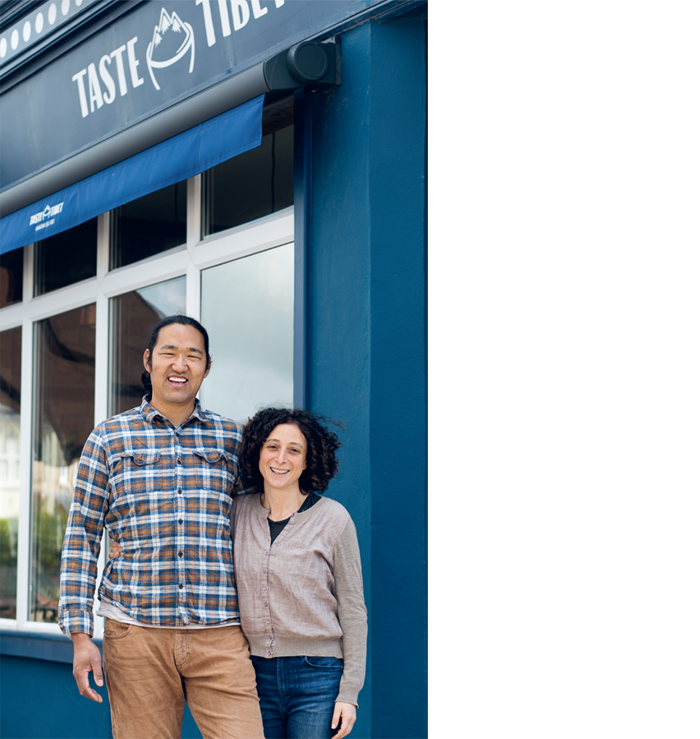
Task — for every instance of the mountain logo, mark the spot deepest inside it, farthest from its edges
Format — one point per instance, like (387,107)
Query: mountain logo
(172,39)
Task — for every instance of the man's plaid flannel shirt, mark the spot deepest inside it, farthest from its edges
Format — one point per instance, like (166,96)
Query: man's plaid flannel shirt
(165,494)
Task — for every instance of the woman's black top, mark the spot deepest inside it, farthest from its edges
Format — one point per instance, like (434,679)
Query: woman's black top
(277,526)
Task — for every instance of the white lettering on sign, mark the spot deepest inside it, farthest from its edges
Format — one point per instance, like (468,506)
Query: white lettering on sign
(93,98)
(172,40)
(40,220)
(240,11)
(107,79)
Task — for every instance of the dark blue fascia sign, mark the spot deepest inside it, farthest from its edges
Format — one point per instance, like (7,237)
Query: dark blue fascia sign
(158,54)
(182,156)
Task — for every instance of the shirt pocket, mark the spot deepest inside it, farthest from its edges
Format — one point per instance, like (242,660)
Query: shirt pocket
(215,471)
(138,472)
(139,495)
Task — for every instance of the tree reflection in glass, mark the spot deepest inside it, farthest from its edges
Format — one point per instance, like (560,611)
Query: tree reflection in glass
(64,417)
(10,395)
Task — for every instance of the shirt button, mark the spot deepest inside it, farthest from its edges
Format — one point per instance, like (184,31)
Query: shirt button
(180,522)
(179,554)
(265,604)
(264,572)
(269,653)
(181,586)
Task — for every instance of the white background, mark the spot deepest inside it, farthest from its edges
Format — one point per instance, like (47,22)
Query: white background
(564,294)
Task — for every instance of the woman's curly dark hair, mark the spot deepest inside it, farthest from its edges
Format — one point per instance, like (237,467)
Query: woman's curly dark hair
(321,445)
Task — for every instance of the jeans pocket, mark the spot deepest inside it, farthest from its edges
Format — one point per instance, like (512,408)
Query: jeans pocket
(116,629)
(324,663)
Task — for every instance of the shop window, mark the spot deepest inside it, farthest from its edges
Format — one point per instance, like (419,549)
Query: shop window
(11,271)
(64,417)
(248,310)
(133,315)
(66,258)
(10,395)
(252,185)
(149,225)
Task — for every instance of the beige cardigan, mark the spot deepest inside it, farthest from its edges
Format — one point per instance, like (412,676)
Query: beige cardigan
(302,595)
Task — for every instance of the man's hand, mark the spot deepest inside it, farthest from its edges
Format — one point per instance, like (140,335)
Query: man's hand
(346,713)
(86,659)
(114,549)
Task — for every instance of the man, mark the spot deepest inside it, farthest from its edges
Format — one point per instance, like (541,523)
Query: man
(160,478)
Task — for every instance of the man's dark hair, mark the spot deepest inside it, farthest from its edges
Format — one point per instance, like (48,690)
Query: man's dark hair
(321,445)
(168,321)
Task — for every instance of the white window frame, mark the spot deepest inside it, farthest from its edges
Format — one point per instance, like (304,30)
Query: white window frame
(189,260)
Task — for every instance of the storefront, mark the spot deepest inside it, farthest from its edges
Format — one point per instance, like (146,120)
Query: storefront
(261,166)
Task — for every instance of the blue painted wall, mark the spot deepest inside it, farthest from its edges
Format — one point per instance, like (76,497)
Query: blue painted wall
(367,344)
(39,699)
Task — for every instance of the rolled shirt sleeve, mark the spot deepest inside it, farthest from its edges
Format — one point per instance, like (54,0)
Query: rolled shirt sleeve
(82,541)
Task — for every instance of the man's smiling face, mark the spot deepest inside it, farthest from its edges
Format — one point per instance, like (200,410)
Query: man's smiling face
(177,366)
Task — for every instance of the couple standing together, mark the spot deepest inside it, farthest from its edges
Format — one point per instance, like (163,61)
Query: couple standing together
(162,478)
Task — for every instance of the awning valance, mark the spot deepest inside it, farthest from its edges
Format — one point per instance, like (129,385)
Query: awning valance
(171,161)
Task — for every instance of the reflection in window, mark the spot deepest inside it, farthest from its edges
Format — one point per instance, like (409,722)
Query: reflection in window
(248,310)
(133,315)
(64,418)
(10,392)
(251,185)
(66,258)
(11,271)
(149,225)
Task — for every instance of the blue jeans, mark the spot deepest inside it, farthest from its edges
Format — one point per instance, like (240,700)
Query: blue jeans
(297,695)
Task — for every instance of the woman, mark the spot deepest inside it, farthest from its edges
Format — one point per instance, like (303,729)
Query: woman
(299,579)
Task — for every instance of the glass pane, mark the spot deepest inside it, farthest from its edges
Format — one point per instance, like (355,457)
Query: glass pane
(251,185)
(66,258)
(248,310)
(150,225)
(10,394)
(133,316)
(11,271)
(64,418)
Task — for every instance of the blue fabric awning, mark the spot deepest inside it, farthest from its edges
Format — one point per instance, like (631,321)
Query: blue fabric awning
(171,161)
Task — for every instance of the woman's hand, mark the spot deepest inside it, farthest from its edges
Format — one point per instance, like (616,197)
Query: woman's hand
(345,713)
(114,550)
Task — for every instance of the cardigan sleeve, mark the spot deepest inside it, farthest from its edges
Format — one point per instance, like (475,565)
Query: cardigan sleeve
(352,613)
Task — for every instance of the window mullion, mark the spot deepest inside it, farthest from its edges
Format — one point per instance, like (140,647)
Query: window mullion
(25,460)
(194,215)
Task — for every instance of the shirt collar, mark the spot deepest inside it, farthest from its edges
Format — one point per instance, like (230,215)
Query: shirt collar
(149,413)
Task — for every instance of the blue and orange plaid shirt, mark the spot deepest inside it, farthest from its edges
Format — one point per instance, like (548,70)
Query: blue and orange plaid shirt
(165,494)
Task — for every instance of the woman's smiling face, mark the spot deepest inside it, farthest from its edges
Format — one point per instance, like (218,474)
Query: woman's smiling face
(283,458)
